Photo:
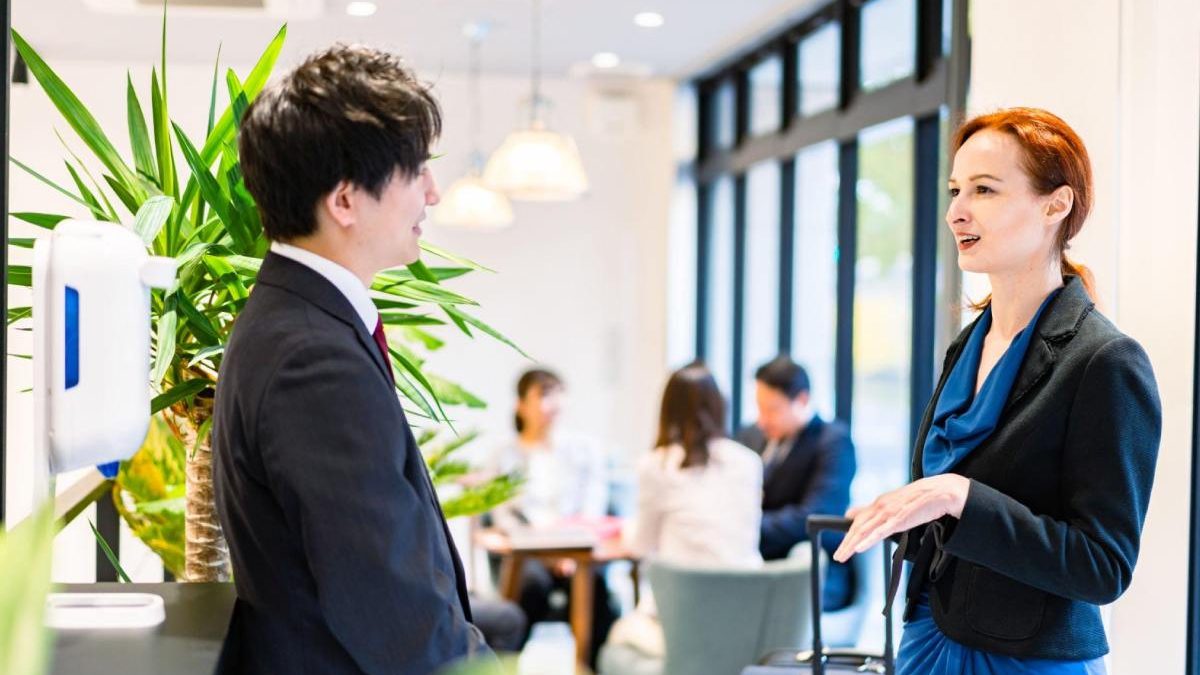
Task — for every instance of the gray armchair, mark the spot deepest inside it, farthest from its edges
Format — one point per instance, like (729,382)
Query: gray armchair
(717,621)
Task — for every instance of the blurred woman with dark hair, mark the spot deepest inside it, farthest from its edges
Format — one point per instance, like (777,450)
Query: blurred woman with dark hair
(565,474)
(566,477)
(699,495)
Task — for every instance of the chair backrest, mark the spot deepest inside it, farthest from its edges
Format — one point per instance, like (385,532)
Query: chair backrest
(717,621)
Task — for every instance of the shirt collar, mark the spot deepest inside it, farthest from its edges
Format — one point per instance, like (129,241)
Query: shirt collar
(342,279)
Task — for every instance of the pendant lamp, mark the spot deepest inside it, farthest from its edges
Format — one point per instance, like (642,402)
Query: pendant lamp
(536,163)
(469,201)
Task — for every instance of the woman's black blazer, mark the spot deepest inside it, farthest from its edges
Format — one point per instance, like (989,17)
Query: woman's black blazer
(1058,495)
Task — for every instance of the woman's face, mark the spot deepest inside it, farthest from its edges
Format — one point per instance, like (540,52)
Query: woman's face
(1001,225)
(540,406)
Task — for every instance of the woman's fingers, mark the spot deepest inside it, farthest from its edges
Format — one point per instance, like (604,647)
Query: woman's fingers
(866,518)
(885,516)
(896,511)
(894,524)
(880,528)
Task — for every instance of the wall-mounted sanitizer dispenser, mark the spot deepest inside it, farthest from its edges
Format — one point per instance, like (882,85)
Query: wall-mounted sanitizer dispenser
(91,359)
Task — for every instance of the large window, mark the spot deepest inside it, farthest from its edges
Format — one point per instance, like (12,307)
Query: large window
(760,327)
(723,107)
(815,258)
(766,94)
(820,76)
(889,40)
(718,313)
(821,177)
(819,163)
(883,303)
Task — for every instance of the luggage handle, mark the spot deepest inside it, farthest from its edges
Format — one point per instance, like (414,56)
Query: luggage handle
(816,524)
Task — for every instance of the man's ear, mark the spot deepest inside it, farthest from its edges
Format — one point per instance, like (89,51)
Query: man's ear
(339,204)
(802,399)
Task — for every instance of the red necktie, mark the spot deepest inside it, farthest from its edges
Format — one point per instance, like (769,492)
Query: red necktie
(381,341)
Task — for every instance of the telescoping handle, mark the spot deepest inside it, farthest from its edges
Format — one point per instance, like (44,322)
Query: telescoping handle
(817,524)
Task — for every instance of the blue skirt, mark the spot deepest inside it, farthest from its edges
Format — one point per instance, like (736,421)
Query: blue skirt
(924,650)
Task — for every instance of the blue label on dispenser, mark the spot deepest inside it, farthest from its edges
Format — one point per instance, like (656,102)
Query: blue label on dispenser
(72,341)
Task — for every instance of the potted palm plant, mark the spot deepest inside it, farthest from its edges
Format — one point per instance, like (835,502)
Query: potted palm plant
(199,212)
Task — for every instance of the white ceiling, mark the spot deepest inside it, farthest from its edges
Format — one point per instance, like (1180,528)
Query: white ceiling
(428,33)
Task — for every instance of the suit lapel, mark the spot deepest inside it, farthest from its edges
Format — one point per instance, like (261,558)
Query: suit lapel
(298,279)
(795,453)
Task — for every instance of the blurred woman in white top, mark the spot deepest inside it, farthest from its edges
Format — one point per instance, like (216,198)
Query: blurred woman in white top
(699,495)
(565,474)
(565,477)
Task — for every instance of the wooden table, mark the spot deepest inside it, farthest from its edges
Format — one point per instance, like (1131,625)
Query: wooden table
(586,558)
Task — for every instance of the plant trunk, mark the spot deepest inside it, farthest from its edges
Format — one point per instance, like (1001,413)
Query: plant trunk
(205,551)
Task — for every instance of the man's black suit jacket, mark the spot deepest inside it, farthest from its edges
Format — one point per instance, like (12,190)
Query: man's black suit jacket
(813,478)
(341,556)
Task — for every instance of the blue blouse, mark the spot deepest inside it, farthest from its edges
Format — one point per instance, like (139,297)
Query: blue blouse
(961,422)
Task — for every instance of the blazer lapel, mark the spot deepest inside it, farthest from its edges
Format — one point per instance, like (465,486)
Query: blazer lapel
(795,454)
(1058,325)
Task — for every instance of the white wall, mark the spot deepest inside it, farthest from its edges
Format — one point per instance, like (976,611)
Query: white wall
(580,286)
(1126,75)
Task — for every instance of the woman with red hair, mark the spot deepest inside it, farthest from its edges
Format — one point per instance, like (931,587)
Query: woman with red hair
(1034,462)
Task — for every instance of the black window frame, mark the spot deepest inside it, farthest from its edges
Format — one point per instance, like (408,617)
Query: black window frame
(938,83)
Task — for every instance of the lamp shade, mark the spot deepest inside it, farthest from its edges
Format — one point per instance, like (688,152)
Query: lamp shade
(536,164)
(469,202)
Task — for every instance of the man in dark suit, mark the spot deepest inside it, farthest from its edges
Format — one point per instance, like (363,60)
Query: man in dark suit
(808,466)
(341,555)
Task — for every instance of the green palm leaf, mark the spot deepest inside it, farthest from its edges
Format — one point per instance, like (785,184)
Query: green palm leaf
(152,216)
(224,128)
(139,136)
(163,151)
(71,195)
(46,220)
(77,115)
(26,553)
(180,392)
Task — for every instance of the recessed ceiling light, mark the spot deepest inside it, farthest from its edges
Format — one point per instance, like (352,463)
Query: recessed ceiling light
(360,8)
(606,60)
(649,19)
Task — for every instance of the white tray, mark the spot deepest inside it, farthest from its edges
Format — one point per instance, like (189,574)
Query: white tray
(104,610)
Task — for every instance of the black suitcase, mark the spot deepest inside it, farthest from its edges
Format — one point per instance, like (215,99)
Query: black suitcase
(793,662)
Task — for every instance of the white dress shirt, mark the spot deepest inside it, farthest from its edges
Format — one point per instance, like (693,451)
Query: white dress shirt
(343,279)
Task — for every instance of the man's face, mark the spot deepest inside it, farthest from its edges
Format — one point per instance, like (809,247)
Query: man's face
(778,415)
(390,226)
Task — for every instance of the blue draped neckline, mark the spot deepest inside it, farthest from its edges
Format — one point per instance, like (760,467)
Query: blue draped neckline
(962,419)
